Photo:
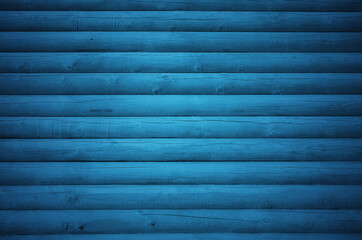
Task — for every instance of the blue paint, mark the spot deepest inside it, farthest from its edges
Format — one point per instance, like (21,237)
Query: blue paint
(180,119)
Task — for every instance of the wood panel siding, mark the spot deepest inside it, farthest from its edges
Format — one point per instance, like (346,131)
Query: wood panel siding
(180,119)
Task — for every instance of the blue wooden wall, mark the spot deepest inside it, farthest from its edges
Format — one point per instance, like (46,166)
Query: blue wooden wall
(180,119)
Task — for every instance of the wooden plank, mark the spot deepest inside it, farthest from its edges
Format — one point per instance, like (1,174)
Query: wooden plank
(167,105)
(86,197)
(179,42)
(186,221)
(192,21)
(103,173)
(183,5)
(180,62)
(181,83)
(174,149)
(180,127)
(190,236)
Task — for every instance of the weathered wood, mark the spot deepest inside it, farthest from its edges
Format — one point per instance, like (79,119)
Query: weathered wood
(306,149)
(180,127)
(181,62)
(218,21)
(136,105)
(181,83)
(87,197)
(190,236)
(183,5)
(186,221)
(74,173)
(179,42)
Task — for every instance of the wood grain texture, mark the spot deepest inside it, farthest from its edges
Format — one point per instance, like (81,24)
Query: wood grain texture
(180,83)
(163,173)
(180,127)
(180,21)
(173,221)
(181,62)
(179,42)
(190,236)
(29,150)
(181,119)
(87,197)
(183,5)
(137,105)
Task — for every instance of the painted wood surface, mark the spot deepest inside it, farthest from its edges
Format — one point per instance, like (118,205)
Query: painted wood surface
(192,236)
(180,197)
(183,119)
(180,21)
(180,83)
(186,221)
(179,105)
(180,127)
(180,62)
(184,5)
(253,149)
(178,173)
(179,42)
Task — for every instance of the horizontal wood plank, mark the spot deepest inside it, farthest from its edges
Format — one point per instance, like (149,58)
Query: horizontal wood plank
(180,62)
(183,5)
(161,173)
(256,134)
(306,149)
(179,42)
(180,83)
(190,236)
(180,127)
(87,197)
(193,21)
(186,221)
(167,105)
